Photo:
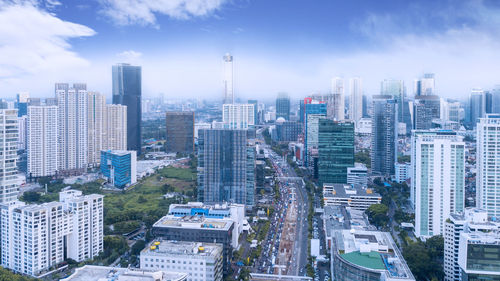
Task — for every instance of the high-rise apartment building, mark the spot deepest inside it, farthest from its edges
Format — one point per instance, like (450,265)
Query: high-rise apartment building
(35,238)
(72,127)
(96,126)
(226,164)
(115,127)
(384,135)
(355,99)
(336,150)
(238,116)
(481,237)
(283,106)
(42,143)
(9,177)
(180,132)
(127,90)
(438,180)
(487,157)
(228,79)
(335,101)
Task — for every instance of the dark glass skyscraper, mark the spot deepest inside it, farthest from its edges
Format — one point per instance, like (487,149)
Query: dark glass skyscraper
(226,167)
(127,91)
(425,110)
(180,132)
(384,135)
(283,106)
(336,150)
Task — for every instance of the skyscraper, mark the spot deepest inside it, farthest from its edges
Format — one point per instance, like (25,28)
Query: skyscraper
(9,178)
(22,103)
(426,108)
(96,126)
(228,79)
(72,127)
(397,89)
(355,99)
(255,104)
(425,86)
(384,135)
(127,90)
(226,166)
(488,155)
(180,132)
(42,144)
(438,181)
(335,101)
(480,104)
(283,106)
(336,150)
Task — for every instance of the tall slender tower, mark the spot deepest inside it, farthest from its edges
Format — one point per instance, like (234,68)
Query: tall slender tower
(95,130)
(355,99)
(9,180)
(228,79)
(42,144)
(384,135)
(336,105)
(127,90)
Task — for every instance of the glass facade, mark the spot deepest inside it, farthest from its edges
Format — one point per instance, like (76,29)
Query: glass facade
(283,106)
(180,132)
(384,135)
(336,150)
(127,90)
(483,257)
(117,166)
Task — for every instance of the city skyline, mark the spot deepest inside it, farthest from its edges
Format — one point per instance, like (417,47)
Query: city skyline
(179,44)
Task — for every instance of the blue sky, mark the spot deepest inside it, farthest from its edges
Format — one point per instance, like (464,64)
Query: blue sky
(278,45)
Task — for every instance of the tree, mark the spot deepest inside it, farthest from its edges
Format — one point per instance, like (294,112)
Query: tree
(31,196)
(418,259)
(377,215)
(363,157)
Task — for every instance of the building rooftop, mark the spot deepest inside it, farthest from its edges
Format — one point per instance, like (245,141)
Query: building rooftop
(347,190)
(370,260)
(118,152)
(105,273)
(183,248)
(193,222)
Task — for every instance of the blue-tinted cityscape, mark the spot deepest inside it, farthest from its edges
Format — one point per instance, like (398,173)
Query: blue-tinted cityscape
(225,140)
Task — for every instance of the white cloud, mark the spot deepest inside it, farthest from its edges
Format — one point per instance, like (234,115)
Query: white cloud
(35,43)
(130,56)
(125,12)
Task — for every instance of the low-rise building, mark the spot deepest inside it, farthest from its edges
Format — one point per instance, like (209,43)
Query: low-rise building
(403,172)
(119,167)
(106,273)
(198,229)
(357,174)
(200,261)
(352,195)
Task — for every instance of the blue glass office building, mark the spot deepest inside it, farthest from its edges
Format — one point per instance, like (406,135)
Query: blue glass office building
(119,167)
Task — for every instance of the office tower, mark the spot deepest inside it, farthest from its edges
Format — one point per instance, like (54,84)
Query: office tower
(336,150)
(180,132)
(72,128)
(115,127)
(238,116)
(311,111)
(255,111)
(425,86)
(472,239)
(365,107)
(86,239)
(488,155)
(95,127)
(205,259)
(438,181)
(127,91)
(355,99)
(228,79)
(119,167)
(286,131)
(225,164)
(335,101)
(283,106)
(9,178)
(22,103)
(384,135)
(479,106)
(495,99)
(426,109)
(397,89)
(42,144)
(35,238)
(452,111)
